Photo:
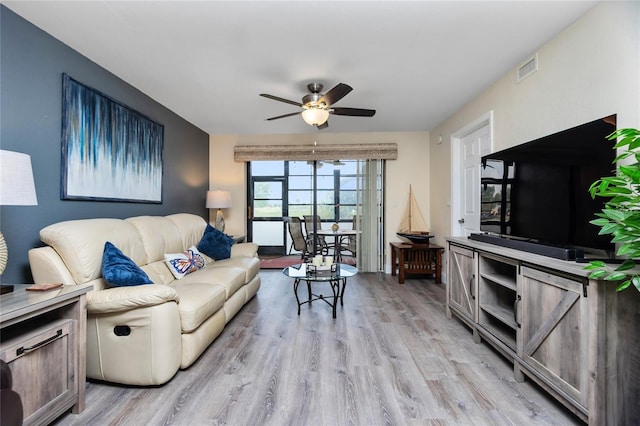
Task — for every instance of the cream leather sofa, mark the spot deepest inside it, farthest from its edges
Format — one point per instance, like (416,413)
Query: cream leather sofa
(142,335)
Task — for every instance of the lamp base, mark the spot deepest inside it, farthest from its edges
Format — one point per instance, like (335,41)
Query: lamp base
(4,253)
(220,221)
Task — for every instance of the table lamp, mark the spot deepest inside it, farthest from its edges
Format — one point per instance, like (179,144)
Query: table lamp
(16,189)
(219,200)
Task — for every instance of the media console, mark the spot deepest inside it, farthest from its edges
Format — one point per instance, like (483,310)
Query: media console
(574,336)
(557,252)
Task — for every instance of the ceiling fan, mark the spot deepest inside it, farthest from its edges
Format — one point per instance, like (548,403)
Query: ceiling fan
(316,106)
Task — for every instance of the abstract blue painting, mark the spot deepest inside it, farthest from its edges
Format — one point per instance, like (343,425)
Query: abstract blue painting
(109,151)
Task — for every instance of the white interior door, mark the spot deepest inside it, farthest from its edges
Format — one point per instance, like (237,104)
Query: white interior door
(474,146)
(468,146)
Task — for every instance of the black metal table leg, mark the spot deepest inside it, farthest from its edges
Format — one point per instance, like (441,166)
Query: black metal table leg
(335,287)
(295,290)
(344,285)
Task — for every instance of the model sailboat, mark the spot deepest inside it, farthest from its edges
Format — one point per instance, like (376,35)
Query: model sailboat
(412,226)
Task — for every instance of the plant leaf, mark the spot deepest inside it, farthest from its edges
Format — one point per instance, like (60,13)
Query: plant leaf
(600,222)
(608,228)
(597,274)
(595,264)
(624,285)
(615,276)
(614,214)
(626,265)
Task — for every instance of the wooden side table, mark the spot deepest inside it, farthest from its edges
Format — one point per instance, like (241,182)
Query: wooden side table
(410,259)
(44,342)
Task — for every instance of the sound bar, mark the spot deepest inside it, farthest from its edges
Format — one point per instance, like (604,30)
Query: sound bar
(562,253)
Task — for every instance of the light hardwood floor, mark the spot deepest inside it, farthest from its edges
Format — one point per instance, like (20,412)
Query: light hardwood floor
(390,357)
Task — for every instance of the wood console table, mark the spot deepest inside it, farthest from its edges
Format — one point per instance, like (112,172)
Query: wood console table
(44,342)
(416,259)
(576,337)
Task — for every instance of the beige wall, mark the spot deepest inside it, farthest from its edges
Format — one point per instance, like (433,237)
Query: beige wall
(411,167)
(587,72)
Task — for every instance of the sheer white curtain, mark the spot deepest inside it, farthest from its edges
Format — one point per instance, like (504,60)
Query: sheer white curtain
(370,216)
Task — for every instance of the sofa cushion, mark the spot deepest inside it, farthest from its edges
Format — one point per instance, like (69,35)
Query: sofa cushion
(158,272)
(159,235)
(215,244)
(228,277)
(181,264)
(251,266)
(118,270)
(198,301)
(80,244)
(190,226)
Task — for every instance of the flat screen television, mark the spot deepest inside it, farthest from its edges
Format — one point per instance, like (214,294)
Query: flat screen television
(538,191)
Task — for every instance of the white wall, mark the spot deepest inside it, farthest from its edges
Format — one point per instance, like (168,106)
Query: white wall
(589,71)
(411,167)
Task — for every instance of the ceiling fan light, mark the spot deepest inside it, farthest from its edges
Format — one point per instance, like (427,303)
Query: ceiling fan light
(315,116)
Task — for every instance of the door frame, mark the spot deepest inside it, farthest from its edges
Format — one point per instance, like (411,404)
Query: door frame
(485,120)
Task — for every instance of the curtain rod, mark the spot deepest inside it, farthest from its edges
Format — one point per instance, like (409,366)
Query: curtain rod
(376,151)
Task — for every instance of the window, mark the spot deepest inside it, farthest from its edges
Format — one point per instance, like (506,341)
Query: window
(336,195)
(344,190)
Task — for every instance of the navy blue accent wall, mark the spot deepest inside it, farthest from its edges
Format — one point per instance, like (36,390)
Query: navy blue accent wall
(31,67)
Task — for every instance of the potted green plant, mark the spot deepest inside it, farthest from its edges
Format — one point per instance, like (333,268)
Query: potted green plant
(621,214)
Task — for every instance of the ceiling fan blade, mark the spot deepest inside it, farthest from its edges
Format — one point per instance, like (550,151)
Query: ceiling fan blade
(323,125)
(282,116)
(354,112)
(335,94)
(276,98)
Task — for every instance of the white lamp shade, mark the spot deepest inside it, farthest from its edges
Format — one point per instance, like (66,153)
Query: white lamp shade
(16,180)
(218,199)
(315,116)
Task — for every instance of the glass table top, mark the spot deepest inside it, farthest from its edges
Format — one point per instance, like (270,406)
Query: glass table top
(302,271)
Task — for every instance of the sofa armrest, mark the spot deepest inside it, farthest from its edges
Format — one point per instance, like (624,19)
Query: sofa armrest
(244,250)
(120,299)
(47,267)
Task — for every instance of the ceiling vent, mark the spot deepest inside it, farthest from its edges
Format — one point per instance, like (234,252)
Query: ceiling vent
(527,68)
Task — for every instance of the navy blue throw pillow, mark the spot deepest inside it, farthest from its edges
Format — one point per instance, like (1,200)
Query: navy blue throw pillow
(118,270)
(215,244)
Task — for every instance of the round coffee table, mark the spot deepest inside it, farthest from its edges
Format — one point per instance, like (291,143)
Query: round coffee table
(335,276)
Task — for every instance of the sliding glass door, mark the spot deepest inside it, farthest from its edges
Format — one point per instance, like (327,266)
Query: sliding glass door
(348,193)
(267,201)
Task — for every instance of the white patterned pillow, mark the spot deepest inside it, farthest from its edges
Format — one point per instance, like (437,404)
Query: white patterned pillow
(182,264)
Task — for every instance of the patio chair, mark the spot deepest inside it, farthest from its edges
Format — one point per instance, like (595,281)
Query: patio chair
(304,244)
(308,225)
(298,241)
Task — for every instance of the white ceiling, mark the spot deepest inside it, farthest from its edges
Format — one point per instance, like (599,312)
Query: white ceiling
(415,62)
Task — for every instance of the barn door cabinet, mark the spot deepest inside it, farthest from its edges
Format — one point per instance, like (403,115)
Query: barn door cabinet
(576,338)
(461,292)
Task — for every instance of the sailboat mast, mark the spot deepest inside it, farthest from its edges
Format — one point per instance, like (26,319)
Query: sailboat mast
(410,199)
(410,225)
